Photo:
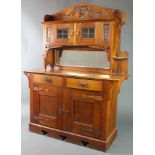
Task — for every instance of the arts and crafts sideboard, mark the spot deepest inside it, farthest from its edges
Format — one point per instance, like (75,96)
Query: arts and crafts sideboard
(75,100)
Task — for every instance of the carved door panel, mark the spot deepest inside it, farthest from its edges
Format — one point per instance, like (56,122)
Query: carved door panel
(87,33)
(63,34)
(83,112)
(47,105)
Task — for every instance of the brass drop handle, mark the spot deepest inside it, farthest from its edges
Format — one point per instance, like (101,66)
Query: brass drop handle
(72,32)
(83,84)
(67,111)
(77,32)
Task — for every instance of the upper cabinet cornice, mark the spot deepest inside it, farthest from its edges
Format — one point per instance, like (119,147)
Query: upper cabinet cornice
(84,11)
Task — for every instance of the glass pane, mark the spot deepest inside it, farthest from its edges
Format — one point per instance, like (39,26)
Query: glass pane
(48,34)
(88,33)
(65,30)
(59,31)
(90,59)
(59,35)
(62,33)
(84,30)
(91,30)
(85,35)
(65,35)
(91,35)
(106,32)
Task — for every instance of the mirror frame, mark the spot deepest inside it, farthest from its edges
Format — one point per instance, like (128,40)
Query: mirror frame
(58,54)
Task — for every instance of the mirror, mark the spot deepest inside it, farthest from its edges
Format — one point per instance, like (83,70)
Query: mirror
(88,59)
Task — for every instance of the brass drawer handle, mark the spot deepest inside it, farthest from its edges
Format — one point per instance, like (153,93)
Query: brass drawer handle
(48,80)
(83,85)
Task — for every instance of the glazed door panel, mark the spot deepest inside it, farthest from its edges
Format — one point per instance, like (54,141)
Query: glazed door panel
(47,105)
(83,112)
(106,35)
(87,33)
(47,34)
(63,34)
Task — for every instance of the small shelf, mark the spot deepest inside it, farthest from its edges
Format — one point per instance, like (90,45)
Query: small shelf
(119,58)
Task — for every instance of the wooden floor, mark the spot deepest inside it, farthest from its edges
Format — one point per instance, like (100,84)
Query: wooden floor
(35,144)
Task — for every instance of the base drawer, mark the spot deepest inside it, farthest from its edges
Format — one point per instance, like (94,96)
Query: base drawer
(84,84)
(47,79)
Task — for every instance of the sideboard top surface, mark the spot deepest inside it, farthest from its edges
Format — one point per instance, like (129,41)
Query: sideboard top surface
(77,74)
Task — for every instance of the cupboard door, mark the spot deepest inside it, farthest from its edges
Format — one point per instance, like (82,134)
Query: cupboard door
(87,33)
(63,34)
(83,112)
(47,105)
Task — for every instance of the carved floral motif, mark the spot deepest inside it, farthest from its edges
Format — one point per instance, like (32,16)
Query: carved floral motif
(83,11)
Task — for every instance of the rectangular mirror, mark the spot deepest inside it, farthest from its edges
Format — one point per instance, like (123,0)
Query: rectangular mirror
(88,59)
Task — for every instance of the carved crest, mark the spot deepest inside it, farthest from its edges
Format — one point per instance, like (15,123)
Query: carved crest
(86,11)
(83,10)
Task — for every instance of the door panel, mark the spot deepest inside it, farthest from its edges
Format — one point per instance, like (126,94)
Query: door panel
(85,112)
(86,33)
(63,34)
(82,116)
(48,110)
(47,105)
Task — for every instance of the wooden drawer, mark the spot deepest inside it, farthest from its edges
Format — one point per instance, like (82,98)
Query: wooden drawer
(47,79)
(84,84)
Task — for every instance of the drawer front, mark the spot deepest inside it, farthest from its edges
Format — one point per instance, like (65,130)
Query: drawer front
(84,84)
(46,79)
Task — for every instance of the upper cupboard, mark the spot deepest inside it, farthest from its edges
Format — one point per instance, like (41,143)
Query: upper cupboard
(89,33)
